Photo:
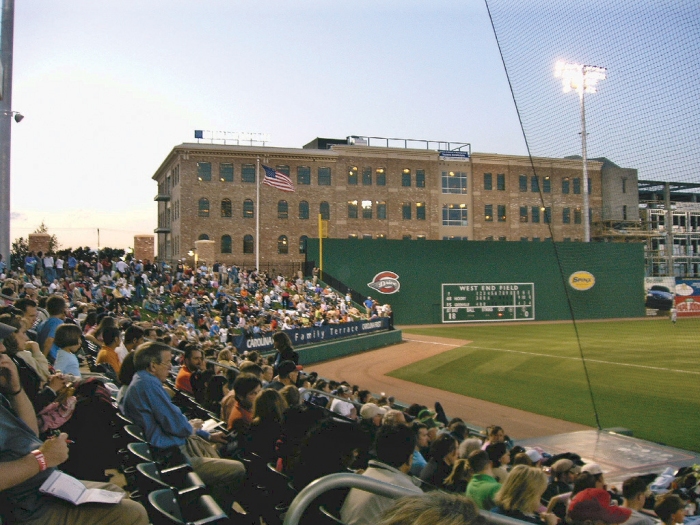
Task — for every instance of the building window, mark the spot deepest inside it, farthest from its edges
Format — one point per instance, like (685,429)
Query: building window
(454,215)
(204,171)
(352,236)
(420,211)
(522,182)
(420,237)
(381,210)
(406,237)
(577,216)
(283,169)
(248,244)
(226,246)
(248,209)
(523,214)
(624,212)
(535,239)
(454,182)
(303,240)
(624,185)
(502,238)
(366,176)
(366,209)
(303,210)
(577,185)
(204,207)
(501,213)
(352,209)
(367,236)
(381,236)
(535,214)
(488,181)
(547,215)
(282,210)
(226,208)
(324,176)
(565,185)
(226,174)
(381,176)
(501,182)
(489,238)
(282,244)
(248,173)
(420,178)
(352,176)
(547,185)
(303,175)
(203,237)
(406,178)
(325,210)
(488,212)
(523,239)
(590,186)
(406,211)
(534,184)
(566,216)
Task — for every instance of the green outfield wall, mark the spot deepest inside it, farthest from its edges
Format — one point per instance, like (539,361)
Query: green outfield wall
(500,281)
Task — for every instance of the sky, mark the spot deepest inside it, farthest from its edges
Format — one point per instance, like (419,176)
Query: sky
(109,88)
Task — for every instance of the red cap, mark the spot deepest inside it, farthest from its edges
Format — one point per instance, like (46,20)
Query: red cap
(594,504)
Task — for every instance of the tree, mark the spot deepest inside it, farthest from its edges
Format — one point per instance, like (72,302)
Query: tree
(53,241)
(20,249)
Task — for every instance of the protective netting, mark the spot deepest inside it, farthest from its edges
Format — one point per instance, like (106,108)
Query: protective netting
(646,116)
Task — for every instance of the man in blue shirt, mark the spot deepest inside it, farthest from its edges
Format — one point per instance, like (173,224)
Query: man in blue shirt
(148,405)
(46,331)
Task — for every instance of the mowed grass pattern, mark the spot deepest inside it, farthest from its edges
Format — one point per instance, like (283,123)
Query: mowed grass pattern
(645,374)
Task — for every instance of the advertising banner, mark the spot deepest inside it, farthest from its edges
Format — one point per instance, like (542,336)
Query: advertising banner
(660,292)
(687,297)
(315,334)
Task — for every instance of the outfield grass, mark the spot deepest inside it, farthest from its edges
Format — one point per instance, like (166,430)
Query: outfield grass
(645,374)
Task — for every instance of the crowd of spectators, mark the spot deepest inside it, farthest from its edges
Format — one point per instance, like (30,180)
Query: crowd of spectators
(161,334)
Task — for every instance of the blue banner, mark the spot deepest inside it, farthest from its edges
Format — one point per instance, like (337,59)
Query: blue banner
(315,334)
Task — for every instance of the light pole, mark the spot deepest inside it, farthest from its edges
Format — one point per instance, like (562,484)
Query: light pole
(6,47)
(582,79)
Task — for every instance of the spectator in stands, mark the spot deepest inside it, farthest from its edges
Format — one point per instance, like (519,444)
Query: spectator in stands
(494,434)
(670,508)
(133,337)
(148,405)
(435,508)
(422,442)
(193,361)
(266,427)
(26,462)
(459,478)
(56,306)
(595,470)
(500,458)
(634,492)
(68,342)
(443,454)
(482,488)
(395,445)
(285,351)
(393,417)
(559,503)
(246,388)
(468,446)
(107,354)
(287,374)
(563,472)
(26,349)
(592,507)
(29,311)
(520,495)
(343,406)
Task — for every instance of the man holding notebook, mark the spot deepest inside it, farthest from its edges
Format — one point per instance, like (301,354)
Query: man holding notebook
(26,463)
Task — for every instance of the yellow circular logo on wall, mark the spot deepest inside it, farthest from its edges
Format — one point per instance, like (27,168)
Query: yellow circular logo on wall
(581,280)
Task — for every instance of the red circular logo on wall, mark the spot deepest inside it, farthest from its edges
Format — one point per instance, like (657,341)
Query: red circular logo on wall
(385,282)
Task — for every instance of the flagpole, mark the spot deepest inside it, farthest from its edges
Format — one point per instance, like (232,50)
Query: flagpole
(257,215)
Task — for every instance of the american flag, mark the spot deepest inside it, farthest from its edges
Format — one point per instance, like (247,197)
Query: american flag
(277,179)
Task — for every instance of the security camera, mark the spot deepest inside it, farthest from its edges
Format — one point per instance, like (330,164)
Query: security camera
(18,117)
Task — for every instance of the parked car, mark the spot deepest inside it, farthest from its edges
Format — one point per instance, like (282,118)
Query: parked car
(659,297)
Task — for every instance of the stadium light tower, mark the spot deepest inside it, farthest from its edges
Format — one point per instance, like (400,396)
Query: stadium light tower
(582,79)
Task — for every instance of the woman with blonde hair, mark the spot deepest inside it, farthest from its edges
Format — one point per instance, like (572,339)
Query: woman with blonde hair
(459,477)
(435,508)
(520,495)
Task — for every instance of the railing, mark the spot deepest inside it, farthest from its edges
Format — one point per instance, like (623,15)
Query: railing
(334,481)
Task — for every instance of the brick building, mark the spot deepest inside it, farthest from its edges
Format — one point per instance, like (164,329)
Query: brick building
(208,191)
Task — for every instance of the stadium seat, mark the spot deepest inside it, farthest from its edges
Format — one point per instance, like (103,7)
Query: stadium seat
(167,511)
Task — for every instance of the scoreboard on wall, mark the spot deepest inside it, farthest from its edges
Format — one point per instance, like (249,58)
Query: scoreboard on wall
(471,302)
